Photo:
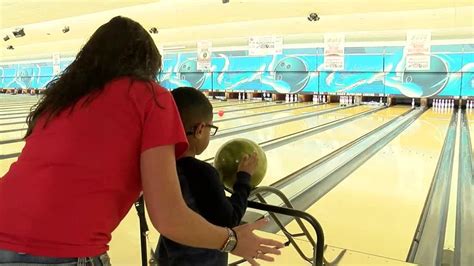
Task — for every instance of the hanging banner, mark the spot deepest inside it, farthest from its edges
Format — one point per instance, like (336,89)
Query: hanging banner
(265,45)
(418,50)
(204,55)
(334,51)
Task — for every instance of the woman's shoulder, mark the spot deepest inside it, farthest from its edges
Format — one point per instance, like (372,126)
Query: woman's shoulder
(141,91)
(139,84)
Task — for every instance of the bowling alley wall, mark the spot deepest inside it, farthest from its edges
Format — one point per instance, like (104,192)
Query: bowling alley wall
(367,70)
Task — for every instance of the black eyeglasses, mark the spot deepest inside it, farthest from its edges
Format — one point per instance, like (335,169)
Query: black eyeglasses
(212,132)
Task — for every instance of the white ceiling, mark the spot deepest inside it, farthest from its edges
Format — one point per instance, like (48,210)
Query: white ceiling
(183,22)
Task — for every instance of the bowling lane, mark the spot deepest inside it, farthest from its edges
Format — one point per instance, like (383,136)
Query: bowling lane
(9,112)
(6,120)
(286,159)
(7,104)
(268,107)
(12,135)
(235,103)
(383,199)
(19,108)
(238,105)
(13,126)
(11,148)
(5,165)
(470,120)
(266,117)
(10,101)
(269,133)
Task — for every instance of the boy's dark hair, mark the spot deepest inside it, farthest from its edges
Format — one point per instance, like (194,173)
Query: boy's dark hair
(193,106)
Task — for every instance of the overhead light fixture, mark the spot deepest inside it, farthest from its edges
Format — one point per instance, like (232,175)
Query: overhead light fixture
(6,38)
(153,30)
(20,32)
(313,17)
(10,47)
(65,29)
(225,1)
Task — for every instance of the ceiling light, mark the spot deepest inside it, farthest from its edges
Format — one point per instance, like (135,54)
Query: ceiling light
(20,32)
(313,17)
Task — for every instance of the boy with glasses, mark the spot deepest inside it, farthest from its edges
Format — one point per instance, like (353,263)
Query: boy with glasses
(200,183)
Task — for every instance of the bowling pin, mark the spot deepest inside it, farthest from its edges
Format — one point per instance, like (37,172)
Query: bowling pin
(412,103)
(381,101)
(287,98)
(314,98)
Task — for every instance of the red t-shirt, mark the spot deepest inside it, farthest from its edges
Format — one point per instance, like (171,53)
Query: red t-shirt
(77,178)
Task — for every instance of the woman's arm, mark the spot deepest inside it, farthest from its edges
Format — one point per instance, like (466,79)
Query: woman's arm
(168,212)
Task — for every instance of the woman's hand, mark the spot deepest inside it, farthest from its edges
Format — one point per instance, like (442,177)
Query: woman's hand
(252,247)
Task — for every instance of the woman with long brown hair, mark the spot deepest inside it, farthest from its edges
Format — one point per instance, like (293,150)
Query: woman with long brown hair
(103,132)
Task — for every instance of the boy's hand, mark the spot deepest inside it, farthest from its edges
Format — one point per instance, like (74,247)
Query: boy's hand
(248,163)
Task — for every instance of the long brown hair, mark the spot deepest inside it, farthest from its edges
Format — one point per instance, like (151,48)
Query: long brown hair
(120,47)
